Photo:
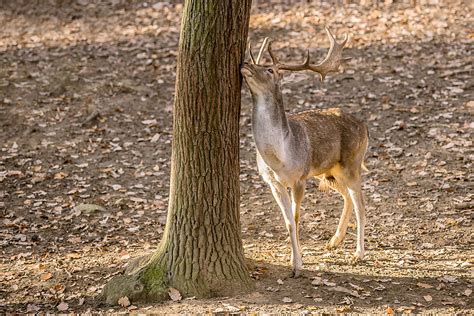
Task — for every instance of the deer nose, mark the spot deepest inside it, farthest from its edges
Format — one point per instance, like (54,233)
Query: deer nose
(245,71)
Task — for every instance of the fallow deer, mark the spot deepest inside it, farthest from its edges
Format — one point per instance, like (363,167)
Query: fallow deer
(327,144)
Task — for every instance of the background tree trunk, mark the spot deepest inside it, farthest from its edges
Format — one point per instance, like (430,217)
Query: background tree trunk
(201,251)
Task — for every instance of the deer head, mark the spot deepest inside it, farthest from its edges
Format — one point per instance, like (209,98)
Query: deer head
(266,78)
(261,79)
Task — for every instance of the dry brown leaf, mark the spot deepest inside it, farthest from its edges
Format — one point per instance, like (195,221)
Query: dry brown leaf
(317,281)
(343,309)
(89,208)
(46,276)
(449,279)
(73,255)
(287,300)
(60,175)
(329,283)
(32,308)
(124,301)
(344,290)
(174,294)
(389,311)
(58,288)
(63,306)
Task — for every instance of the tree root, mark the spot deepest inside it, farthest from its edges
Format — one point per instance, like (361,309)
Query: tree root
(143,280)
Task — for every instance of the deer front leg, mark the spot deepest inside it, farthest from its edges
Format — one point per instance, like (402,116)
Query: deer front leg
(280,193)
(297,195)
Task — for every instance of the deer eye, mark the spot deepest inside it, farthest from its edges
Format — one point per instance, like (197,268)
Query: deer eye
(270,70)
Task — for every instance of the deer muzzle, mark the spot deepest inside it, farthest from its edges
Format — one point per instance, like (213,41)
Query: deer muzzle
(246,70)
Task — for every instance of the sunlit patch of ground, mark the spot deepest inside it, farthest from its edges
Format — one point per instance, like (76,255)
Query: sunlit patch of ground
(86,96)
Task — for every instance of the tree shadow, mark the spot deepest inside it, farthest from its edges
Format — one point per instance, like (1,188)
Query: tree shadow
(319,289)
(67,10)
(384,62)
(329,289)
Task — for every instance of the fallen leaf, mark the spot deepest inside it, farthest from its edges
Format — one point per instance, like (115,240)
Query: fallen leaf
(46,276)
(174,294)
(150,122)
(343,309)
(448,279)
(424,285)
(155,138)
(73,255)
(32,308)
(344,290)
(358,288)
(58,288)
(60,175)
(230,308)
(89,208)
(347,301)
(389,310)
(328,283)
(63,307)
(287,300)
(124,301)
(317,281)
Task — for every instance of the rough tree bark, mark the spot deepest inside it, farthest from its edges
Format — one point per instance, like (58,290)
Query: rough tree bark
(201,250)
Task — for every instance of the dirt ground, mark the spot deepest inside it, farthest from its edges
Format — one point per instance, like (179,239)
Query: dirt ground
(86,94)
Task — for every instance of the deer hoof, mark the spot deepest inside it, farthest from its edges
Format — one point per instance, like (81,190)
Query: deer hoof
(357,257)
(295,273)
(334,242)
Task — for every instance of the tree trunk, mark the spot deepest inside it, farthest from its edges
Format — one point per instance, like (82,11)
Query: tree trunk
(201,251)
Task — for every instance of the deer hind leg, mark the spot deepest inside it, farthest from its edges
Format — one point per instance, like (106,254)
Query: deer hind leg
(355,192)
(297,194)
(340,234)
(280,193)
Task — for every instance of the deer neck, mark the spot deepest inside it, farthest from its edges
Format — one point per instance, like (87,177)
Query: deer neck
(270,126)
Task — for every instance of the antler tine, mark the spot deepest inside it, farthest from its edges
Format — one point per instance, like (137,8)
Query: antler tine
(306,61)
(250,53)
(331,37)
(273,57)
(262,48)
(333,59)
(329,64)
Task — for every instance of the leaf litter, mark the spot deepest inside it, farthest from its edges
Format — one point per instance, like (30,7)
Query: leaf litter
(86,108)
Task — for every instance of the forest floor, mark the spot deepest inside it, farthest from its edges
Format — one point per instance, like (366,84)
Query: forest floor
(86,94)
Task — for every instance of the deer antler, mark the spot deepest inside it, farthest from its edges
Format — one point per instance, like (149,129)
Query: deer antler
(260,53)
(329,64)
(250,53)
(262,48)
